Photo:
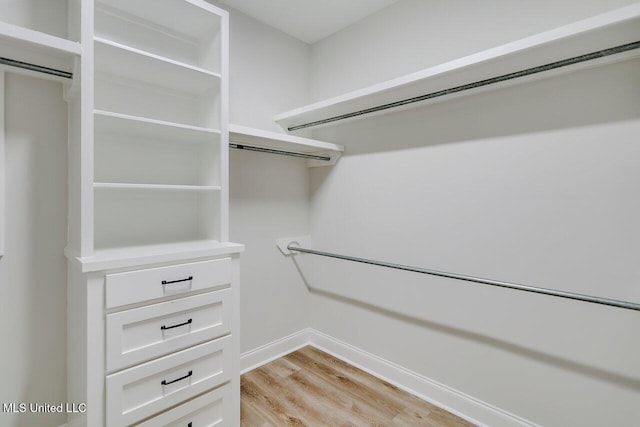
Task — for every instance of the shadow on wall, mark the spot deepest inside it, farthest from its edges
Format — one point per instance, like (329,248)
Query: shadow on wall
(304,268)
(529,353)
(583,98)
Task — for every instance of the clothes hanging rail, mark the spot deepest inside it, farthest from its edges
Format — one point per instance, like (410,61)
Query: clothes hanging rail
(502,78)
(36,68)
(562,294)
(280,152)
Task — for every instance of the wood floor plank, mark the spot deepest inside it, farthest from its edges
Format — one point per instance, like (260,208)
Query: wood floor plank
(283,367)
(303,406)
(251,416)
(350,407)
(420,408)
(311,388)
(368,400)
(399,397)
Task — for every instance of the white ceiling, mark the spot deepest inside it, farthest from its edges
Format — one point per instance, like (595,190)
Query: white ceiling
(308,20)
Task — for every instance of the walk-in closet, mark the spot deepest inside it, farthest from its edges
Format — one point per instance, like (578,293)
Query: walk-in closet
(319,213)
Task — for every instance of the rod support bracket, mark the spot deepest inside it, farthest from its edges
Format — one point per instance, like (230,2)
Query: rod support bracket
(284,242)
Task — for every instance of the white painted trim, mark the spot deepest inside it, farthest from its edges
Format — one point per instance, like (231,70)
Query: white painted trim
(259,356)
(454,401)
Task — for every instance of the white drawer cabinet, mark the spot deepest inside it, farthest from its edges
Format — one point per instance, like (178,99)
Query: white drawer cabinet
(154,362)
(153,283)
(141,391)
(141,334)
(210,409)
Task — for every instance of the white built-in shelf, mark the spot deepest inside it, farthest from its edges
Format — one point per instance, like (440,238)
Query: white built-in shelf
(26,45)
(152,69)
(131,256)
(109,122)
(616,28)
(278,141)
(155,187)
(193,23)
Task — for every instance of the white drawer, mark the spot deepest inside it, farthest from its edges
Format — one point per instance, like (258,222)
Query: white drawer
(150,388)
(210,409)
(152,283)
(141,334)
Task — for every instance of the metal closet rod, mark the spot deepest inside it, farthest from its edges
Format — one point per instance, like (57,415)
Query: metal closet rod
(510,76)
(561,294)
(280,152)
(36,68)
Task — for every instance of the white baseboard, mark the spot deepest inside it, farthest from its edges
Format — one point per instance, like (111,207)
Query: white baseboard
(454,401)
(266,353)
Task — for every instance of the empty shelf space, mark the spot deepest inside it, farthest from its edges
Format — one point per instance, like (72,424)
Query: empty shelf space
(155,187)
(141,99)
(472,73)
(194,20)
(142,215)
(186,31)
(134,64)
(110,122)
(141,151)
(26,45)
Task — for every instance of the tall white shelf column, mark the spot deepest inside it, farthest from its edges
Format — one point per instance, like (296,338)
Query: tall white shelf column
(148,215)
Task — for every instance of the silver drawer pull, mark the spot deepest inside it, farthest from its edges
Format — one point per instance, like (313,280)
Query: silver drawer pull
(165,382)
(188,279)
(188,322)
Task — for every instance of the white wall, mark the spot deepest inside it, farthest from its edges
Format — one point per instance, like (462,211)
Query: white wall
(33,270)
(535,184)
(269,195)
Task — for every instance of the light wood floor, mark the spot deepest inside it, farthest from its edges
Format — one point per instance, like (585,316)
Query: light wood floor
(312,388)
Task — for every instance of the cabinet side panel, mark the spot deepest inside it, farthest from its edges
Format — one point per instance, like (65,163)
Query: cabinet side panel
(2,168)
(76,342)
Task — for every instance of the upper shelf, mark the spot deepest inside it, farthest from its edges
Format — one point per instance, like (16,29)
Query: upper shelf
(109,122)
(183,17)
(26,45)
(151,68)
(278,141)
(471,74)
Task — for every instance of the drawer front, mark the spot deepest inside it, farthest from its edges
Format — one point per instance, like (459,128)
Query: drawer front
(150,388)
(210,409)
(141,334)
(152,283)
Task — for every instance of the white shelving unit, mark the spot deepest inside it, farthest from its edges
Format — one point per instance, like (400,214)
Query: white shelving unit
(159,138)
(604,31)
(148,214)
(278,141)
